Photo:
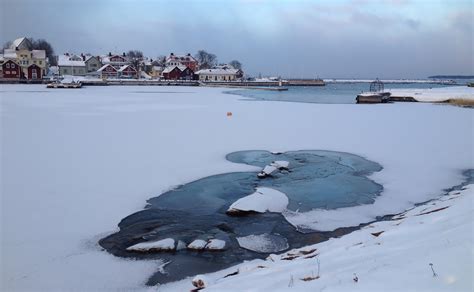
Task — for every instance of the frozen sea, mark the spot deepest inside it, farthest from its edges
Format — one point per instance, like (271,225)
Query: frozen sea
(336,93)
(75,162)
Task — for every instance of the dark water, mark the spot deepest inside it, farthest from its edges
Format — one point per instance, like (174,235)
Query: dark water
(197,210)
(331,93)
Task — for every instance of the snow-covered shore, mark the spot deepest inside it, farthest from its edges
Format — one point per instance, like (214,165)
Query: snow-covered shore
(440,94)
(428,248)
(76,162)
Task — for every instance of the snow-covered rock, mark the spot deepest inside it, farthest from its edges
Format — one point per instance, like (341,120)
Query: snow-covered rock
(215,244)
(266,171)
(201,282)
(197,244)
(262,200)
(280,164)
(167,244)
(264,243)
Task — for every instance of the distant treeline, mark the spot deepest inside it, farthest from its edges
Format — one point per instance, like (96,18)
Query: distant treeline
(452,77)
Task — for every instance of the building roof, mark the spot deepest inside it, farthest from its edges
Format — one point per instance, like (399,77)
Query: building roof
(16,43)
(9,54)
(180,58)
(125,67)
(169,69)
(105,66)
(64,61)
(218,71)
(38,54)
(106,59)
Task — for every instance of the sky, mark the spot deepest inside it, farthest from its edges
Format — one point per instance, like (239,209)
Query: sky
(298,38)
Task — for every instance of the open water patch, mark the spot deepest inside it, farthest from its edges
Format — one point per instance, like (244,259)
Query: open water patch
(197,212)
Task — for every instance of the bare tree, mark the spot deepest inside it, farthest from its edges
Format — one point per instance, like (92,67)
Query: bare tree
(206,60)
(236,64)
(135,58)
(160,61)
(42,44)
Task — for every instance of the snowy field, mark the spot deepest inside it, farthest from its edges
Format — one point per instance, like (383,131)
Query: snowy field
(75,162)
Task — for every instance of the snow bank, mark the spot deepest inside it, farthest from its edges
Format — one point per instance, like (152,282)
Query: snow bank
(261,201)
(428,248)
(436,94)
(167,244)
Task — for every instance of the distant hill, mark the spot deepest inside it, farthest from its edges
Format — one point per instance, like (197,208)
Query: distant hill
(452,77)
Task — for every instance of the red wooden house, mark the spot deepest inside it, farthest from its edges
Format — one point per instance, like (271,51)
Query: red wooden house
(187,74)
(11,70)
(34,72)
(127,71)
(171,73)
(108,71)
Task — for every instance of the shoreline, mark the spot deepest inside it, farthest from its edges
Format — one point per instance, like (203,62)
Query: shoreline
(301,264)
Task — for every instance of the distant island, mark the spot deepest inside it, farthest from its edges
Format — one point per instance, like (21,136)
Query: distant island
(452,76)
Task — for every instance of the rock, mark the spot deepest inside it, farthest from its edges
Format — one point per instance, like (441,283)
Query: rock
(167,244)
(200,282)
(215,244)
(280,164)
(197,244)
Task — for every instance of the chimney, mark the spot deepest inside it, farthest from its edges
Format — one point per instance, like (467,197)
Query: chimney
(188,55)
(172,54)
(110,54)
(123,54)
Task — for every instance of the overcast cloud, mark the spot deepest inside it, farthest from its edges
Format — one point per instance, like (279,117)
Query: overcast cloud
(345,39)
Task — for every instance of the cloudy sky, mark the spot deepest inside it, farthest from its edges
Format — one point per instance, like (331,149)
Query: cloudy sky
(344,39)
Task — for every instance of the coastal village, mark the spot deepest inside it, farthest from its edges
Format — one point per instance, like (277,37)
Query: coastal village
(21,63)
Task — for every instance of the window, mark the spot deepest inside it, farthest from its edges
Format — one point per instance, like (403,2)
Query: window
(40,62)
(8,65)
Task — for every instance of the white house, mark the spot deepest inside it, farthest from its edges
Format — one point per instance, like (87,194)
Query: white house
(219,74)
(71,65)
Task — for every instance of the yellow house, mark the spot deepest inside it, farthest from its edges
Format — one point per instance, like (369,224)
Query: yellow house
(20,52)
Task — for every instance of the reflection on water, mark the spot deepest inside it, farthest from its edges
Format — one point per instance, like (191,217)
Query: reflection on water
(197,210)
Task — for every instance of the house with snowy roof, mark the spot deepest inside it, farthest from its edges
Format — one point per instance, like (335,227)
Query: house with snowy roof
(33,63)
(11,70)
(108,71)
(21,44)
(182,60)
(92,63)
(70,64)
(179,72)
(127,71)
(115,60)
(224,73)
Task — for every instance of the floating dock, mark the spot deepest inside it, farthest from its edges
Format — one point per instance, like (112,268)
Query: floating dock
(74,85)
(373,97)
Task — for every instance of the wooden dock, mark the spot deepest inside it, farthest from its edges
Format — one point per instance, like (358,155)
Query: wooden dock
(373,97)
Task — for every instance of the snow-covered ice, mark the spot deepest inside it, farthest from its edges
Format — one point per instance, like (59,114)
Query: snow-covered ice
(75,162)
(262,200)
(264,243)
(167,244)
